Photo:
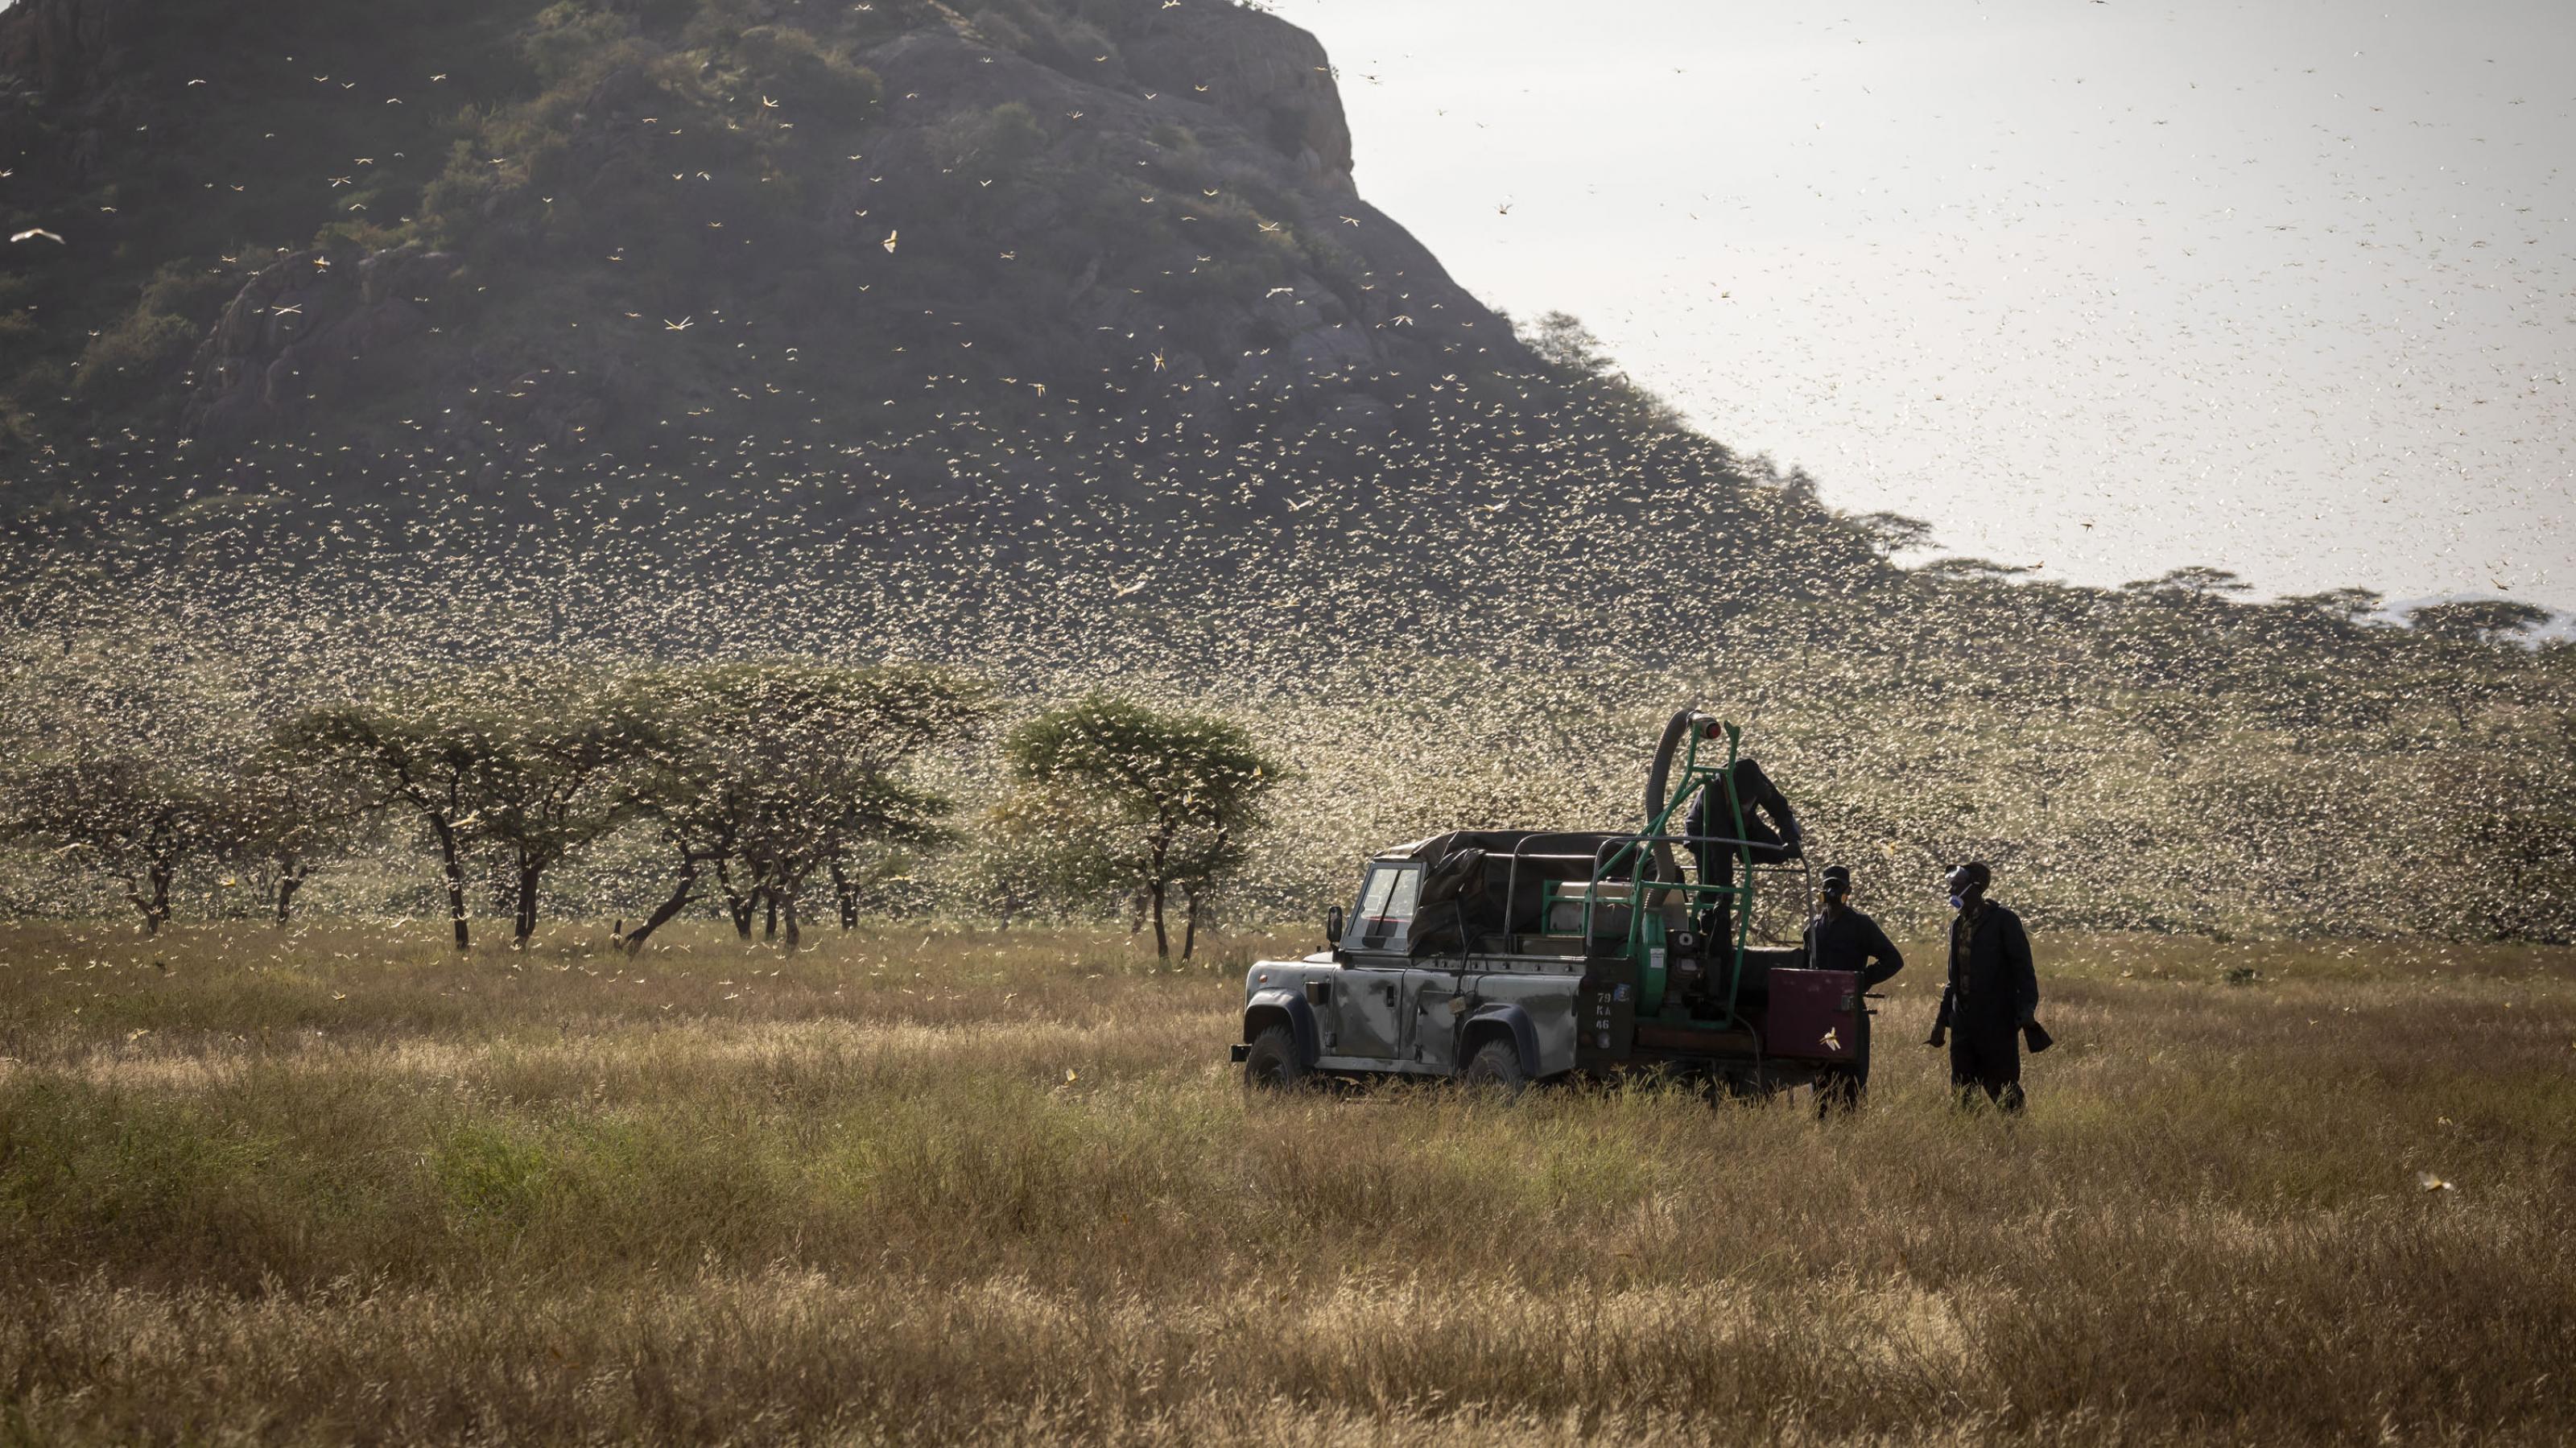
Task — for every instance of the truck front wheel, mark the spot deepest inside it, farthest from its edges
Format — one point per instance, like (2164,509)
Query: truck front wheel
(1496,1067)
(1272,1064)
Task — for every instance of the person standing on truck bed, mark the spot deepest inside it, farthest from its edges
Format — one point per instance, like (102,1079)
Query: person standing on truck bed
(1738,797)
(1841,938)
(1992,997)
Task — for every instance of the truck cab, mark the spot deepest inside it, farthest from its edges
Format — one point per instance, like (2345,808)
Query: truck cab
(1384,999)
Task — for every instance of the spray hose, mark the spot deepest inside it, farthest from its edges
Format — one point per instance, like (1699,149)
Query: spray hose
(1683,724)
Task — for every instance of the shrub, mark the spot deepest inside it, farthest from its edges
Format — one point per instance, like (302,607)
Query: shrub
(1011,135)
(134,352)
(568,41)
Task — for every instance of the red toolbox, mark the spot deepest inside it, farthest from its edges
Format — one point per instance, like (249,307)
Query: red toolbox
(1813,1015)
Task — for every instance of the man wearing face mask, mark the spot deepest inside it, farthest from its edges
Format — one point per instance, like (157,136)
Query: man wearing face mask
(1842,938)
(1992,997)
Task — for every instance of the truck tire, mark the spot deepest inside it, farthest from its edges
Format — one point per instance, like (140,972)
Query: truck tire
(1495,1068)
(1272,1064)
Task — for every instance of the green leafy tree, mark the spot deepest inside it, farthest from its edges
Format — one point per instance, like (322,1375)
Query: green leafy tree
(528,764)
(766,774)
(1009,136)
(1163,800)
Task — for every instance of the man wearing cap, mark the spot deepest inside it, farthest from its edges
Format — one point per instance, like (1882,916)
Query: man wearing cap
(1841,938)
(1992,997)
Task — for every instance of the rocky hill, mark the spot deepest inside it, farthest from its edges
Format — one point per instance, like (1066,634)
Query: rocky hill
(493,225)
(952,288)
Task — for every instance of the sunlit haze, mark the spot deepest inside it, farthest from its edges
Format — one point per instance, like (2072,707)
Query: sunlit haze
(2107,287)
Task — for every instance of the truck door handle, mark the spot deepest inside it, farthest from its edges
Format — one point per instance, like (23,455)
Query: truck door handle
(1390,995)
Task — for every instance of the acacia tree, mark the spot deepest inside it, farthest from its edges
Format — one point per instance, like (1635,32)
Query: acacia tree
(2478,620)
(552,780)
(124,815)
(767,773)
(1165,799)
(2195,581)
(527,764)
(855,883)
(1889,534)
(1977,568)
(278,815)
(1205,857)
(119,748)
(1041,848)
(2342,605)
(424,755)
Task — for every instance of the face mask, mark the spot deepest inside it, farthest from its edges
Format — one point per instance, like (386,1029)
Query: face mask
(1958,902)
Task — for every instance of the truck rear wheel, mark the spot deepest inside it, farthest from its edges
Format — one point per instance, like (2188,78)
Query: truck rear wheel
(1272,1064)
(1496,1067)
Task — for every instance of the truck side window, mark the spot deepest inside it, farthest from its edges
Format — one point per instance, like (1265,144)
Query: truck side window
(1387,903)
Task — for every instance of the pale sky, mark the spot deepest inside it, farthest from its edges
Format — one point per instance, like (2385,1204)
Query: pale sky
(2285,288)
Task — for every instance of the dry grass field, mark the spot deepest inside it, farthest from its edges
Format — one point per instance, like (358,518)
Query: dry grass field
(338,1185)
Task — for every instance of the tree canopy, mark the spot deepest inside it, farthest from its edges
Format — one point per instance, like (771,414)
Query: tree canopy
(1152,800)
(766,773)
(2482,620)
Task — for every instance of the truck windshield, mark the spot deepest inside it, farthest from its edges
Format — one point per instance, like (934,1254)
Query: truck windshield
(1387,901)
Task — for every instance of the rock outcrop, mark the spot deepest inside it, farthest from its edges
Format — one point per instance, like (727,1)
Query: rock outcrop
(313,328)
(63,48)
(1268,76)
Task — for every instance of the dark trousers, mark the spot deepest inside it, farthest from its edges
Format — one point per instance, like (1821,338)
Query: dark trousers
(1716,923)
(1986,1057)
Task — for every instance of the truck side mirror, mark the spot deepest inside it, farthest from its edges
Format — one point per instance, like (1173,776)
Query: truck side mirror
(1333,928)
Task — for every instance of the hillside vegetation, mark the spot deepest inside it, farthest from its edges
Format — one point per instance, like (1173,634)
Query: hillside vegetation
(2313,776)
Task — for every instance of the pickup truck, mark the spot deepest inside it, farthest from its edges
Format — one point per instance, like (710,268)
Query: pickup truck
(1506,957)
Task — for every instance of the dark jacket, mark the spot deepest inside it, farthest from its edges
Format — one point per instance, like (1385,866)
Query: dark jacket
(1849,940)
(1992,985)
(1757,807)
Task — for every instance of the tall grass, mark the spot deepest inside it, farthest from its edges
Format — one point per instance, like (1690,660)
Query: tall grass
(340,1184)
